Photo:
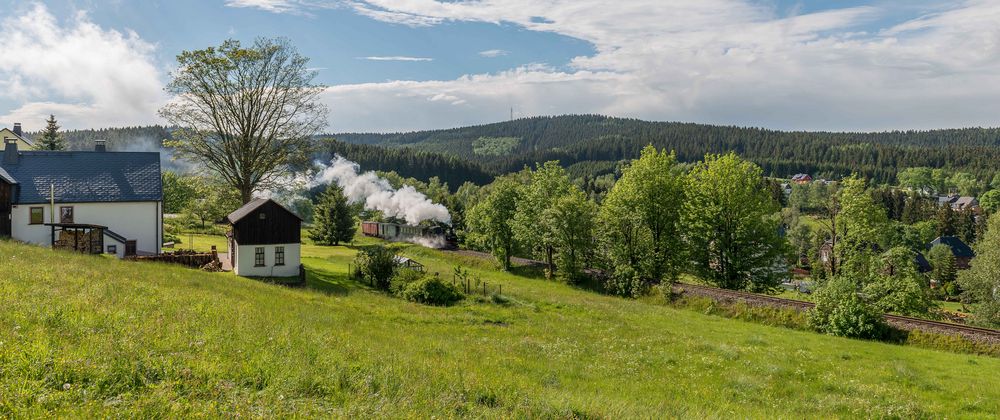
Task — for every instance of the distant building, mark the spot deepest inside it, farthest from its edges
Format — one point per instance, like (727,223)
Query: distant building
(802,178)
(962,252)
(959,203)
(265,240)
(22,142)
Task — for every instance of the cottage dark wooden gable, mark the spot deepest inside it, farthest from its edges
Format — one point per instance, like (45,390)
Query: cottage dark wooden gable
(264,222)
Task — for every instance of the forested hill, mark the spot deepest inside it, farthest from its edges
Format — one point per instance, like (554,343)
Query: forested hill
(508,146)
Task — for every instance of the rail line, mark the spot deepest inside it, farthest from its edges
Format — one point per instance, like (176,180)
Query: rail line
(902,322)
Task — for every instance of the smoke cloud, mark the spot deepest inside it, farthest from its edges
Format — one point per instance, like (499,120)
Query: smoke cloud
(377,194)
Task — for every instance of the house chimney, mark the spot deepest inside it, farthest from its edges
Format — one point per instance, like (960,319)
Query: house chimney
(10,155)
(99,146)
(17,130)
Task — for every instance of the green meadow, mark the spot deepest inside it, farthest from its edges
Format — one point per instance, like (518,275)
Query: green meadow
(85,336)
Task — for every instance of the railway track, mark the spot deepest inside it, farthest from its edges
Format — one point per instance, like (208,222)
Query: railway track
(902,322)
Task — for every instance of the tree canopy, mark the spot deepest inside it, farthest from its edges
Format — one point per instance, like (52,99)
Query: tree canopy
(245,112)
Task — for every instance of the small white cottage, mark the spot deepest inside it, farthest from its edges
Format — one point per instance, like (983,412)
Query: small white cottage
(265,240)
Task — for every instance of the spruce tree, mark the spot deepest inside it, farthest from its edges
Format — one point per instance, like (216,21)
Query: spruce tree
(333,218)
(50,138)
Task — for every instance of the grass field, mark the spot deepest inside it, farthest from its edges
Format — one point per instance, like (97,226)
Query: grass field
(85,336)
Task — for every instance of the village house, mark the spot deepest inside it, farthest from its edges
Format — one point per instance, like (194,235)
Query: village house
(963,252)
(88,201)
(265,240)
(959,203)
(802,179)
(22,142)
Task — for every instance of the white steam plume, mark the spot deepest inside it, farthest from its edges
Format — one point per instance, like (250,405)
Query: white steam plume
(377,194)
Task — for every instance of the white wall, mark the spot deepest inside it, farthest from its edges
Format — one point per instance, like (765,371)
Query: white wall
(244,265)
(135,221)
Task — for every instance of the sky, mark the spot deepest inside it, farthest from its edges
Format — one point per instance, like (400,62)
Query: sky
(399,65)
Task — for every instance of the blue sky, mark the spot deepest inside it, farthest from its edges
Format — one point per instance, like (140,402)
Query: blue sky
(401,65)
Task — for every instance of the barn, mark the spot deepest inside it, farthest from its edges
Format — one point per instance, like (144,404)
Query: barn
(265,240)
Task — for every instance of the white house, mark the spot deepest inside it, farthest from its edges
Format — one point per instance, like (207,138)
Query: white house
(265,240)
(89,201)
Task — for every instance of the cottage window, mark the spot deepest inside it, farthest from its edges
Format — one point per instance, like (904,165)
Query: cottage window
(112,249)
(279,255)
(66,214)
(37,215)
(258,256)
(263,216)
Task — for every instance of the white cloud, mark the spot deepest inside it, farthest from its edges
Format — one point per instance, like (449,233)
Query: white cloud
(86,75)
(395,58)
(716,61)
(493,53)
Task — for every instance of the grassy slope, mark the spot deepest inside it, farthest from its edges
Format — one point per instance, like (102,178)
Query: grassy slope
(83,335)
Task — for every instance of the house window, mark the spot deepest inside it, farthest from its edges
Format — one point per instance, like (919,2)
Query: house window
(263,216)
(112,249)
(37,215)
(66,214)
(279,255)
(258,256)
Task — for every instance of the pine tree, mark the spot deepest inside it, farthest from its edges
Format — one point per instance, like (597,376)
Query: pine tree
(50,138)
(333,218)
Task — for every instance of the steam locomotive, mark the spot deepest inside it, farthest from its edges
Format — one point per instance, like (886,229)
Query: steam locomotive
(440,235)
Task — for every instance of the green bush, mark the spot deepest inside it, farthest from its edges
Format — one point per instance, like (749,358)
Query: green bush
(839,311)
(402,279)
(377,265)
(430,290)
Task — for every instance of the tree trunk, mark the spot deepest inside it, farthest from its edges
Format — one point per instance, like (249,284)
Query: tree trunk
(548,262)
(246,194)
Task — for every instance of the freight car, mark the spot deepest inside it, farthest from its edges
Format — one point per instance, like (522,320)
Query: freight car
(438,235)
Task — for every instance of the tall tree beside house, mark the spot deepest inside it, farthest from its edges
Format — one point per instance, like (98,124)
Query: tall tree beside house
(990,201)
(946,220)
(245,112)
(50,138)
(178,191)
(333,218)
(732,227)
(981,283)
(861,225)
(942,260)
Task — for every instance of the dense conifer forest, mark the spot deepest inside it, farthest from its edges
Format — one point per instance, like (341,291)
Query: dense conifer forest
(600,140)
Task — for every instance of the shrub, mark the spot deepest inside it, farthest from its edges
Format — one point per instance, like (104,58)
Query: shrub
(377,265)
(402,279)
(839,311)
(430,290)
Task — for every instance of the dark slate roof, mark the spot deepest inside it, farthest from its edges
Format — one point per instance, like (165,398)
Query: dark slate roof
(254,205)
(86,177)
(959,248)
(6,176)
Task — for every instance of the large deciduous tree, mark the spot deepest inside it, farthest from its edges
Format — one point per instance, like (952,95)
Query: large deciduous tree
(639,221)
(732,225)
(548,184)
(245,112)
(569,224)
(491,221)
